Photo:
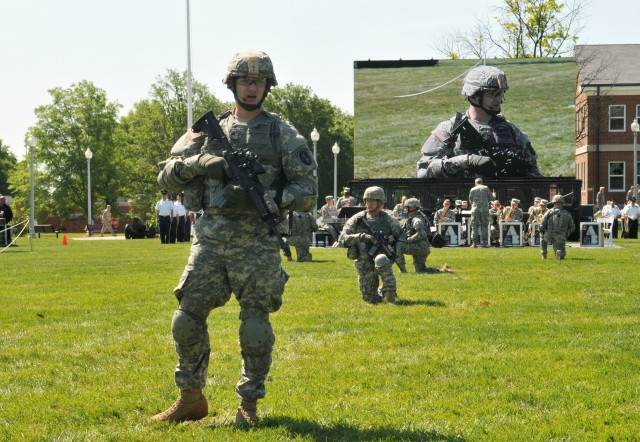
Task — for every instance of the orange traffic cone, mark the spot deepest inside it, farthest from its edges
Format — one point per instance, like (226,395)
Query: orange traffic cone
(64,240)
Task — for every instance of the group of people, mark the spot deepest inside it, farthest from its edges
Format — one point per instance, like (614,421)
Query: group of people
(173,219)
(6,216)
(235,252)
(627,216)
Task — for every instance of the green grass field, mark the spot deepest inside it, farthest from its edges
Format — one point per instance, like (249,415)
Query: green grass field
(507,348)
(390,131)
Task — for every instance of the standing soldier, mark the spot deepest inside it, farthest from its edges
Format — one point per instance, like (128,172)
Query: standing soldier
(301,226)
(105,219)
(556,225)
(506,150)
(480,197)
(233,250)
(371,261)
(416,228)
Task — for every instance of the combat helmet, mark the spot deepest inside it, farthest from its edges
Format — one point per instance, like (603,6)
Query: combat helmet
(374,193)
(412,202)
(250,63)
(483,79)
(558,199)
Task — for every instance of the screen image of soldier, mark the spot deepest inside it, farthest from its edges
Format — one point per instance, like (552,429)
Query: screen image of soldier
(557,224)
(244,170)
(327,213)
(301,226)
(416,228)
(480,197)
(480,143)
(375,240)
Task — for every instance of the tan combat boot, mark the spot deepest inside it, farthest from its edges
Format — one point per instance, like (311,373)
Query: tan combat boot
(190,406)
(309,257)
(446,269)
(247,413)
(391,297)
(473,245)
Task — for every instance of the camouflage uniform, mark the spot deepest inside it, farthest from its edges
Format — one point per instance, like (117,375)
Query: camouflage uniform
(557,224)
(417,230)
(444,216)
(301,224)
(328,212)
(506,150)
(233,249)
(371,267)
(480,198)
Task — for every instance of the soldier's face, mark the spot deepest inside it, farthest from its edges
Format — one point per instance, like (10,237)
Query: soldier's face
(493,100)
(250,90)
(373,207)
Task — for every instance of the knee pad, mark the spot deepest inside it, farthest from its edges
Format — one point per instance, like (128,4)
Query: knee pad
(256,337)
(382,262)
(186,329)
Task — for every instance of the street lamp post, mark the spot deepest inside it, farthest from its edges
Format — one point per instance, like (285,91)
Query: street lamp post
(88,155)
(635,127)
(336,150)
(315,136)
(31,142)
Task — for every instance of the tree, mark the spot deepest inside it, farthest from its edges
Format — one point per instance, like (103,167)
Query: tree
(7,164)
(78,118)
(305,110)
(150,129)
(539,28)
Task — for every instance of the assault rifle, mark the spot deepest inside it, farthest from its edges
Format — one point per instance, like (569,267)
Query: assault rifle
(507,162)
(245,168)
(380,243)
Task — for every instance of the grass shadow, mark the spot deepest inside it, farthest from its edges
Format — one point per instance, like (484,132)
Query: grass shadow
(340,431)
(427,302)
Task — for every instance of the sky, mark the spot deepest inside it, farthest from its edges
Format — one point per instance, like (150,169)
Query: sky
(124,46)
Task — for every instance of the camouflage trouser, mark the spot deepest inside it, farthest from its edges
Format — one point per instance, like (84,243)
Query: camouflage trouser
(368,273)
(558,245)
(302,253)
(228,255)
(480,227)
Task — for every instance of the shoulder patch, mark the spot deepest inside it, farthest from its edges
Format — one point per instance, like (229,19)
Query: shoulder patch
(305,157)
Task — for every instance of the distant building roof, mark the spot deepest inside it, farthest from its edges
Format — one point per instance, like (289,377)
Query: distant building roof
(607,65)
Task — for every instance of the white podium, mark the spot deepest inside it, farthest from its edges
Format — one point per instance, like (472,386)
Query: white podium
(451,232)
(511,234)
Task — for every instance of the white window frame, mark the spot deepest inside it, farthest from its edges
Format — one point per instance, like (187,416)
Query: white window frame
(624,117)
(610,176)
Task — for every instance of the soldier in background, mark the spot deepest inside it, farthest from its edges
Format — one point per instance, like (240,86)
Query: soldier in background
(233,250)
(480,197)
(509,152)
(301,226)
(105,219)
(495,213)
(557,224)
(398,211)
(514,213)
(444,215)
(327,213)
(346,199)
(600,198)
(416,228)
(357,237)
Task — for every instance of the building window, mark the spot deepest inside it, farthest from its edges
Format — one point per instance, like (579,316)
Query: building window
(617,118)
(616,176)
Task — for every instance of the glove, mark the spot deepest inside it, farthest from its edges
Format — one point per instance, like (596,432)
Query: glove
(481,165)
(214,166)
(366,238)
(233,197)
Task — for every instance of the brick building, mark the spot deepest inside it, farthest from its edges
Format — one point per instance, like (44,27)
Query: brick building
(607,101)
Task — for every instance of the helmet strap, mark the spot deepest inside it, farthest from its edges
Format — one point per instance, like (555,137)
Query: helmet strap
(480,105)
